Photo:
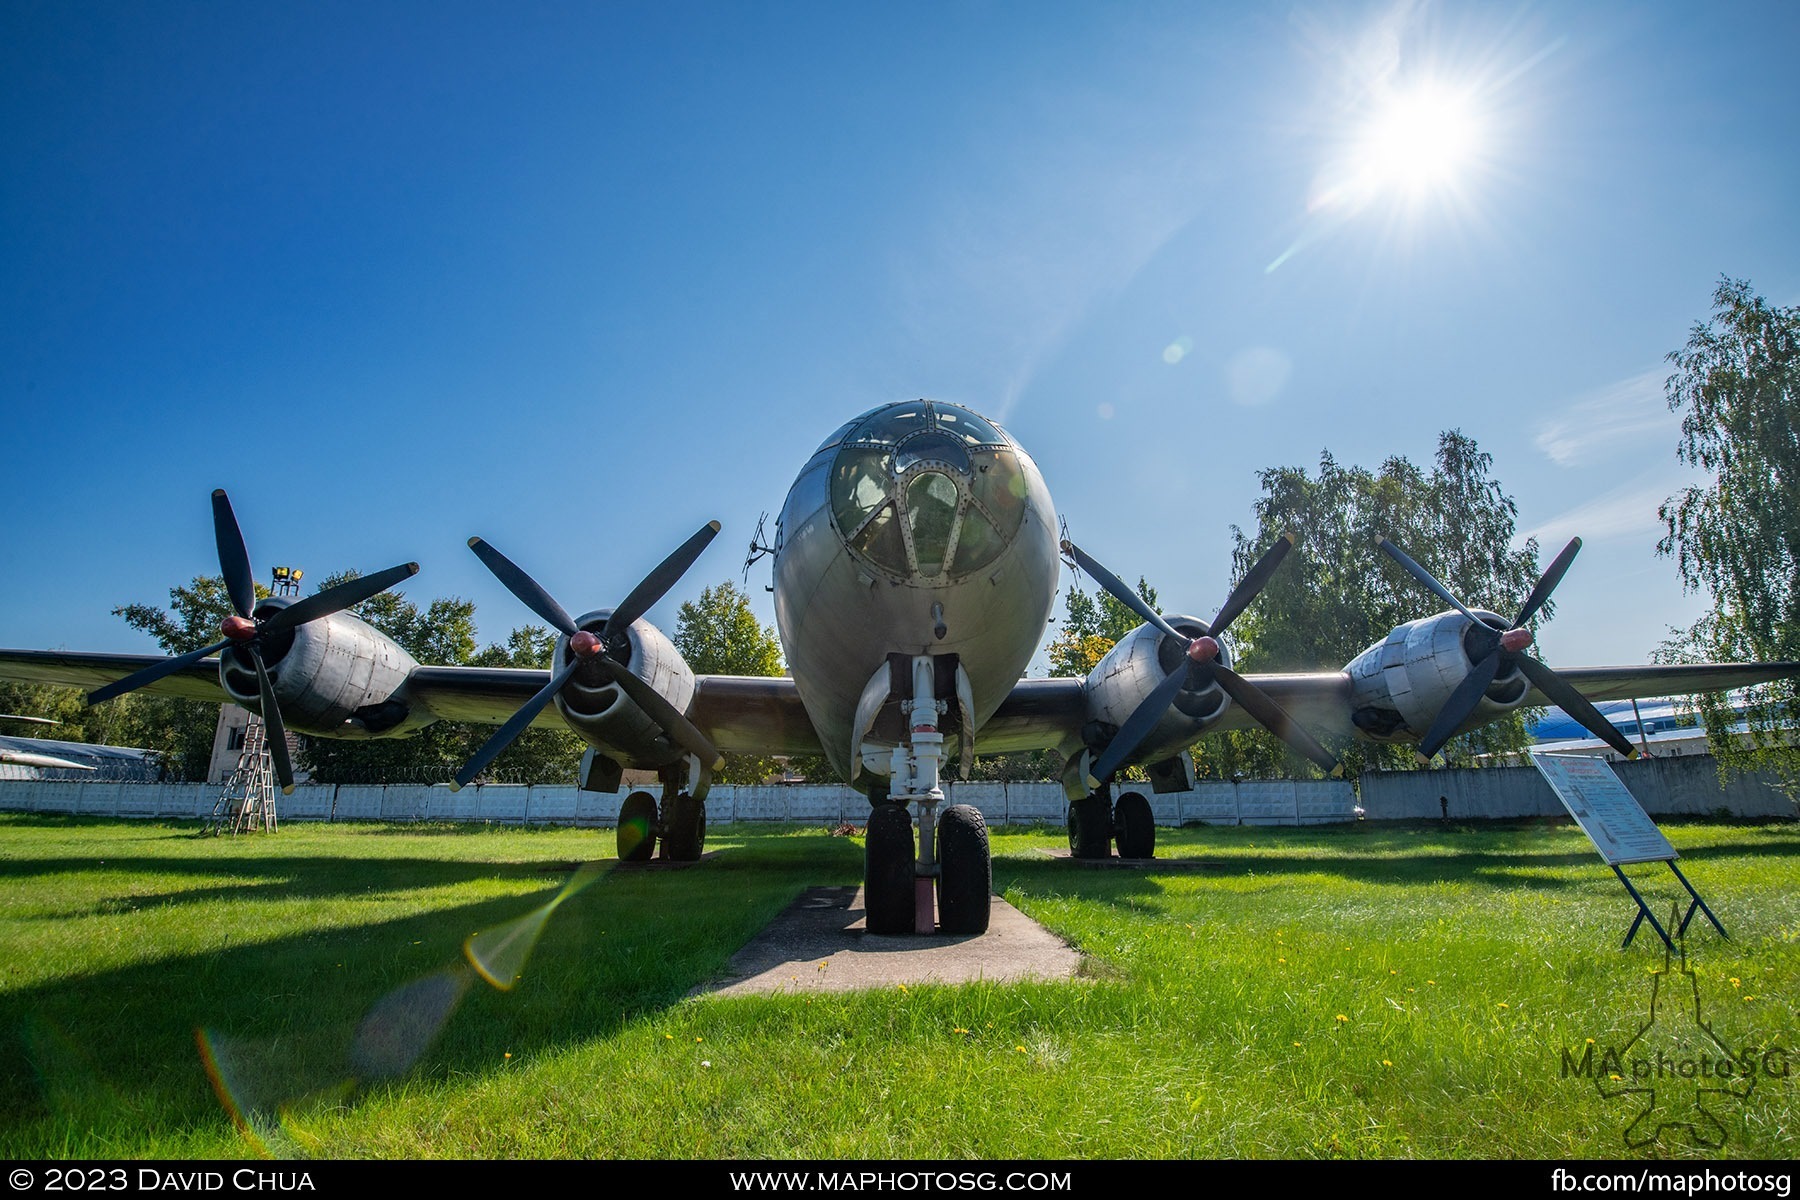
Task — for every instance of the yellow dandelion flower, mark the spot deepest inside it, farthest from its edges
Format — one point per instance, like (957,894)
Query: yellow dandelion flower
(959,1029)
(1296,1044)
(699,1039)
(509,1054)
(1393,972)
(1736,982)
(1340,1018)
(1020,1049)
(1590,1041)
(1616,1078)
(668,1037)
(1281,960)
(1387,1062)
(1432,982)
(1504,1004)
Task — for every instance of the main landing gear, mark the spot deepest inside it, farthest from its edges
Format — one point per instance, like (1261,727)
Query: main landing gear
(680,821)
(1096,823)
(953,866)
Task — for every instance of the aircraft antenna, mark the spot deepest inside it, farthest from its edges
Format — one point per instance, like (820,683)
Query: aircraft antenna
(758,548)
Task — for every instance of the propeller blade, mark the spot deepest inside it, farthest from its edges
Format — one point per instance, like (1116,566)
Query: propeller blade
(1425,577)
(335,599)
(1547,583)
(516,725)
(274,730)
(1137,727)
(1124,595)
(1564,695)
(524,587)
(1274,718)
(672,719)
(1251,584)
(657,582)
(234,559)
(151,674)
(1461,703)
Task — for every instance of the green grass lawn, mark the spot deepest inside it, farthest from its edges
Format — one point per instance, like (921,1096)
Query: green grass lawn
(1363,991)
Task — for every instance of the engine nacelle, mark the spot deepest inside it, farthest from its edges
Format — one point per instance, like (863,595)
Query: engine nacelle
(1135,666)
(1399,685)
(609,720)
(335,676)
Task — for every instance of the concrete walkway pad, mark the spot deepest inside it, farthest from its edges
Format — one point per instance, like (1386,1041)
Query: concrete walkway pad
(821,944)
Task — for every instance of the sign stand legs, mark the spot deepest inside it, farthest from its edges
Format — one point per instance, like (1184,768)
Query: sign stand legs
(1644,912)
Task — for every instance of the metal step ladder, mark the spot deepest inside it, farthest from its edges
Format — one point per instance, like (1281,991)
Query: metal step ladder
(247,801)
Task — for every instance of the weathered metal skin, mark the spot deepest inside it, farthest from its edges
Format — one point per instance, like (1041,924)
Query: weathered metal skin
(335,676)
(609,720)
(1135,666)
(1398,685)
(841,611)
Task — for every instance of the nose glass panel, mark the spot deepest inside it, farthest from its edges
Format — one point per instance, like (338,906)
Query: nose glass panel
(926,490)
(931,517)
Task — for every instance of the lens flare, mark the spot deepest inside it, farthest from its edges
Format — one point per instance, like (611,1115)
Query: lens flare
(267,1088)
(499,954)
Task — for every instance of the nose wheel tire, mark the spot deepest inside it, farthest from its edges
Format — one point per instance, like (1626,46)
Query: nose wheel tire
(637,828)
(888,870)
(966,871)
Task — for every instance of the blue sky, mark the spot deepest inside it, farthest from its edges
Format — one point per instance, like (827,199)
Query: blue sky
(579,278)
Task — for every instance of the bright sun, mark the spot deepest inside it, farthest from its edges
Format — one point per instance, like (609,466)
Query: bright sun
(1417,142)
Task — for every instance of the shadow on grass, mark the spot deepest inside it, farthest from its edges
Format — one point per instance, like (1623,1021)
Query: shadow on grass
(345,1003)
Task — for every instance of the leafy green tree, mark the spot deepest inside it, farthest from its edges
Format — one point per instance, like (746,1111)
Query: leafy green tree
(1337,594)
(718,634)
(1737,538)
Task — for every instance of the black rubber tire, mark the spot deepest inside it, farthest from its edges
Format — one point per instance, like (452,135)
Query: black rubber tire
(1134,826)
(966,871)
(888,901)
(1090,828)
(684,829)
(637,828)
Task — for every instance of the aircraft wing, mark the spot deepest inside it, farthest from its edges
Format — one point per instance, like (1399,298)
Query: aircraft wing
(742,714)
(1637,683)
(1044,713)
(198,681)
(1321,701)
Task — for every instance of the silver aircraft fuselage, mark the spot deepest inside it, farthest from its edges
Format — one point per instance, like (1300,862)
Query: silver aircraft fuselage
(916,529)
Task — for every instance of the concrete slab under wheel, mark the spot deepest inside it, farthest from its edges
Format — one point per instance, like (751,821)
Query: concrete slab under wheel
(822,944)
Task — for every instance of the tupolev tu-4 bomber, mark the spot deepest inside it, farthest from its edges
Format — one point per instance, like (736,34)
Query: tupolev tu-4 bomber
(916,561)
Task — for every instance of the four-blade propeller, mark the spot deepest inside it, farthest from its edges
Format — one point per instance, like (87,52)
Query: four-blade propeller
(247,633)
(1492,650)
(1202,667)
(593,651)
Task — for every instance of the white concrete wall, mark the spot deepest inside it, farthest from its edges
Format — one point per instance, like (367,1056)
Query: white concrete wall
(1684,786)
(1662,785)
